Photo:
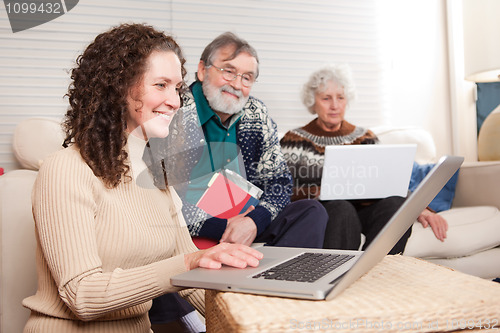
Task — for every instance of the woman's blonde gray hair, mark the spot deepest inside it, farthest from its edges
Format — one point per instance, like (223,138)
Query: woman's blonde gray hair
(338,73)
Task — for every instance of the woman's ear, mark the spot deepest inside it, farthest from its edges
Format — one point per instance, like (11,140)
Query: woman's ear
(134,98)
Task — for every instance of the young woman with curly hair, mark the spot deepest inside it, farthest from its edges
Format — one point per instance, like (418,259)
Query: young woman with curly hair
(106,244)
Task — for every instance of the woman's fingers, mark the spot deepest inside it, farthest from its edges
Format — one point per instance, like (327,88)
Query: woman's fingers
(234,255)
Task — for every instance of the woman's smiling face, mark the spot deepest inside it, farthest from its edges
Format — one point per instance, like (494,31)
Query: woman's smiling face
(150,113)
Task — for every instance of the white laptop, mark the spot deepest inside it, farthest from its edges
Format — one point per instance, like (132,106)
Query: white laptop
(269,279)
(366,171)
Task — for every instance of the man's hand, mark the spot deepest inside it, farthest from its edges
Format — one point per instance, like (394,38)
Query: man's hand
(437,222)
(240,229)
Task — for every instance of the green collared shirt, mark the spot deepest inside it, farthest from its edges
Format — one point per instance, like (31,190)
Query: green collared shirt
(221,150)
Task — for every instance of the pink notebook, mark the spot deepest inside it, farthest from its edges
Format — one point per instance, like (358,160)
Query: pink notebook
(225,199)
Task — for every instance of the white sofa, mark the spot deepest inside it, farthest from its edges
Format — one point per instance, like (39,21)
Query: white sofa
(471,245)
(33,140)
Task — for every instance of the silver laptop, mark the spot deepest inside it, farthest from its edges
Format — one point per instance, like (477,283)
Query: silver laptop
(315,284)
(366,171)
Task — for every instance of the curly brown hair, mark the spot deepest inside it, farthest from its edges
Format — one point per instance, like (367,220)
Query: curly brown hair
(101,81)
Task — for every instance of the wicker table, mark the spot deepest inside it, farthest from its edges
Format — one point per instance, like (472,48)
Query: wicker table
(399,294)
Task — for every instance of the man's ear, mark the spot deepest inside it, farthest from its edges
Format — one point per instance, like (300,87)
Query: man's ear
(201,70)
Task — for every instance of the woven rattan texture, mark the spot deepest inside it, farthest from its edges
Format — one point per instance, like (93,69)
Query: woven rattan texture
(399,294)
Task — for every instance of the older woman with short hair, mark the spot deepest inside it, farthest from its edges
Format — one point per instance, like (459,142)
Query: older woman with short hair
(328,93)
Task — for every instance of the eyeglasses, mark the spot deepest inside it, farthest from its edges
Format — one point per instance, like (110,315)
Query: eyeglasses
(247,80)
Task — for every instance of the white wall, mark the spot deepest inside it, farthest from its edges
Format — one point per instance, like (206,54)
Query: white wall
(406,84)
(418,60)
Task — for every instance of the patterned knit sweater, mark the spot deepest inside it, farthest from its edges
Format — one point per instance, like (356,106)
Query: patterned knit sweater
(103,254)
(304,150)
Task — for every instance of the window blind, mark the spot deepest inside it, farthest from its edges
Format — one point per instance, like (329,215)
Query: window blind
(292,38)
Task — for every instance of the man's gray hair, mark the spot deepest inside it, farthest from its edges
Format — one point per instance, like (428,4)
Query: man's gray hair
(338,73)
(223,40)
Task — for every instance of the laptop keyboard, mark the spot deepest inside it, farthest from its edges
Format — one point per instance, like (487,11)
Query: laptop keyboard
(307,267)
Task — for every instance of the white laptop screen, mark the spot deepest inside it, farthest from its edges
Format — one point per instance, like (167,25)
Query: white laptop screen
(366,171)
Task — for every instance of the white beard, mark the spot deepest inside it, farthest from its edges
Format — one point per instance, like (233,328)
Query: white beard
(219,102)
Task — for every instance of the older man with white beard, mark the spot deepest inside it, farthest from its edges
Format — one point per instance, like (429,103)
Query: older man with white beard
(222,127)
(238,134)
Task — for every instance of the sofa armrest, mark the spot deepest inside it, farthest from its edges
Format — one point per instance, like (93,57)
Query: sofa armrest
(478,185)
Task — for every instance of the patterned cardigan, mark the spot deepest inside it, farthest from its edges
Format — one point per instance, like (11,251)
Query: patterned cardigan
(265,166)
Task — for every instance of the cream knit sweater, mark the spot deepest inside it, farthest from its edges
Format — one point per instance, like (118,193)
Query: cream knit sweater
(103,254)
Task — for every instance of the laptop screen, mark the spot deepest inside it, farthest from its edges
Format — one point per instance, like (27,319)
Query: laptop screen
(366,171)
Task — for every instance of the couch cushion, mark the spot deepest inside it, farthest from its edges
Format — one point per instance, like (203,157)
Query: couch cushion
(426,149)
(443,200)
(482,264)
(471,229)
(17,248)
(35,139)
